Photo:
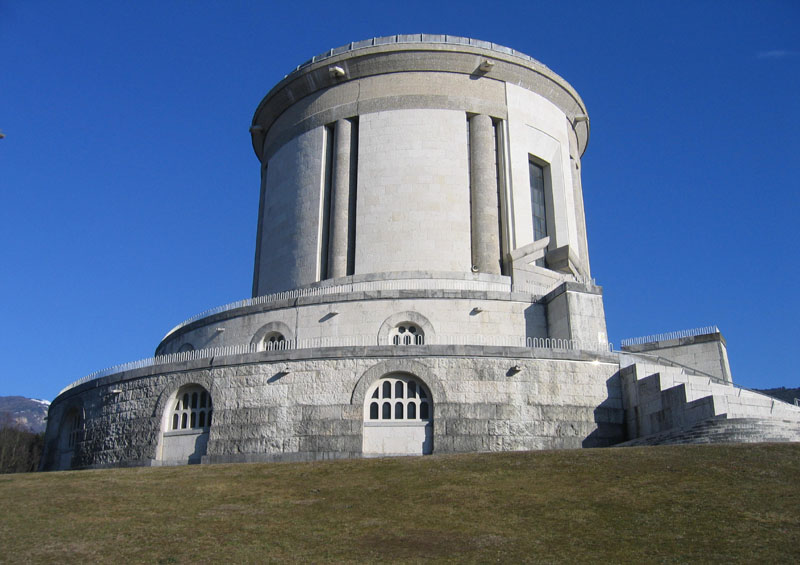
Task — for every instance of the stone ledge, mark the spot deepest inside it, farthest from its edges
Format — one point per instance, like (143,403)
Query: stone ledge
(328,353)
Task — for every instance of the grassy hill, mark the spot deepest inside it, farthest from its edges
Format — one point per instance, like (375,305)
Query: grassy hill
(674,504)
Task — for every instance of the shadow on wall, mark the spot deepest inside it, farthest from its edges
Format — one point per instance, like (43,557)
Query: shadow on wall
(535,321)
(609,417)
(200,446)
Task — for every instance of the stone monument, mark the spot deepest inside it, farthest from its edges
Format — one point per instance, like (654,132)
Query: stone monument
(422,284)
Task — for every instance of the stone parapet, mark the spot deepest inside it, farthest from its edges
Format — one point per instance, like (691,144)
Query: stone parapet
(707,353)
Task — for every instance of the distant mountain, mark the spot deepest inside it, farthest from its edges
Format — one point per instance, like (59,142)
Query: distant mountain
(782,393)
(26,413)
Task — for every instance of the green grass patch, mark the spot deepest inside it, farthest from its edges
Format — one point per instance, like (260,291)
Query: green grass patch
(673,504)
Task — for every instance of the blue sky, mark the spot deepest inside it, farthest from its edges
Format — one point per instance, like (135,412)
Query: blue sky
(129,188)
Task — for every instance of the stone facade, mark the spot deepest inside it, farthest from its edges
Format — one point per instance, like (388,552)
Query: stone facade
(421,285)
(312,406)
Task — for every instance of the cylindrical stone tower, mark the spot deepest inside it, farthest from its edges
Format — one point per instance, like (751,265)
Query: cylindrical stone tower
(420,154)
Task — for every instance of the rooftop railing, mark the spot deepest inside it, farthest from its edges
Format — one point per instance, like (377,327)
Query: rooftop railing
(348,341)
(694,332)
(417,38)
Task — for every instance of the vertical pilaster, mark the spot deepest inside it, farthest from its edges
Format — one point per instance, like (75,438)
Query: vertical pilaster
(483,187)
(260,231)
(341,200)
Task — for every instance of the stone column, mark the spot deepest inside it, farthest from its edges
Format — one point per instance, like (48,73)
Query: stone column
(337,259)
(483,181)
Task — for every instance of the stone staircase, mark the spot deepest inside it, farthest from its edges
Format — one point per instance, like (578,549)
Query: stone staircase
(674,405)
(722,430)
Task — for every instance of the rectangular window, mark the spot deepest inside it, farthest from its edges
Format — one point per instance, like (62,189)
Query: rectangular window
(537,201)
(538,205)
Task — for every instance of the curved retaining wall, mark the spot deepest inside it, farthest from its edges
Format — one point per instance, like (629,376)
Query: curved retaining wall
(309,404)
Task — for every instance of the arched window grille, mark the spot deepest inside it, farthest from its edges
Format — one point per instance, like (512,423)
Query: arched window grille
(399,398)
(407,334)
(274,341)
(192,410)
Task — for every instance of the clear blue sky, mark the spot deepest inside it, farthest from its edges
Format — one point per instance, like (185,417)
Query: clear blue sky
(129,189)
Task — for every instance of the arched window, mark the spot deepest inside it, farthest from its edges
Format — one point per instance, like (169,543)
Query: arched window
(192,409)
(398,417)
(186,426)
(401,397)
(274,341)
(407,333)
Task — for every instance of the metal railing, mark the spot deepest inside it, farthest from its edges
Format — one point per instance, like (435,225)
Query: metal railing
(669,335)
(165,359)
(349,341)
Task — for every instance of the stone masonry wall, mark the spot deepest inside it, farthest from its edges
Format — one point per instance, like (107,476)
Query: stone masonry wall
(413,192)
(269,408)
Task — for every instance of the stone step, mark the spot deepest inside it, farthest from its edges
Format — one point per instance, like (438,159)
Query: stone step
(667,399)
(724,430)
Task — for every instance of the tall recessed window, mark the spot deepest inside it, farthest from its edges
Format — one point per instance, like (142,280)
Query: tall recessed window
(70,435)
(75,425)
(538,206)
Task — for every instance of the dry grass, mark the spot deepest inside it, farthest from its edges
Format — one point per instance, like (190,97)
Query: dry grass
(735,503)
